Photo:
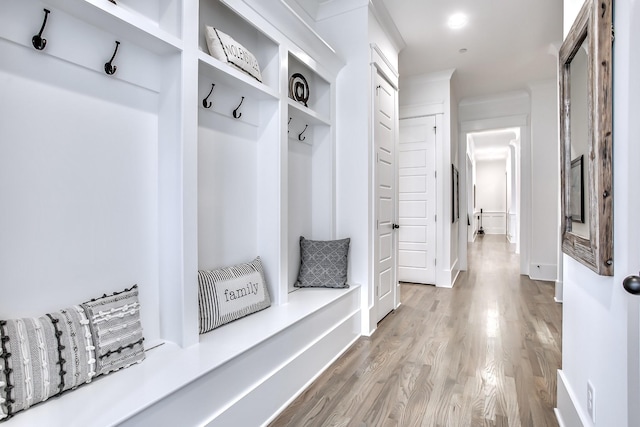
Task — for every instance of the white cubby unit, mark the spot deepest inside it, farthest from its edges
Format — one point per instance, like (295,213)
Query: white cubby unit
(174,163)
(80,157)
(311,160)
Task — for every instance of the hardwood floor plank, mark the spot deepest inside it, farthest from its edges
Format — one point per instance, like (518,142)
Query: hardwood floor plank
(484,353)
(514,410)
(412,412)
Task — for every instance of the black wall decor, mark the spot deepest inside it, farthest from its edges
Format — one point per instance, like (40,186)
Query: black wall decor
(455,194)
(299,89)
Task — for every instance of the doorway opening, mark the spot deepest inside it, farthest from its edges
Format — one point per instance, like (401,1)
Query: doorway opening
(493,176)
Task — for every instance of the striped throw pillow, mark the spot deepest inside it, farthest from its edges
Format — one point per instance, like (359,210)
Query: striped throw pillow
(229,293)
(46,356)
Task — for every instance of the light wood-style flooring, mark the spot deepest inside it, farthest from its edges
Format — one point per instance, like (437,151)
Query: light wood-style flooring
(484,353)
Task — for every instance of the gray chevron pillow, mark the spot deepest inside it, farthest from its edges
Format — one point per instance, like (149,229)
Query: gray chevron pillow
(323,263)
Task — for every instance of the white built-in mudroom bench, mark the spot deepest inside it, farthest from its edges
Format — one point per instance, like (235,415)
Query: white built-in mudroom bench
(129,155)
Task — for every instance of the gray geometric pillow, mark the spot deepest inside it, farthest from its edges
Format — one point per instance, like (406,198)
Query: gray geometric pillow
(323,263)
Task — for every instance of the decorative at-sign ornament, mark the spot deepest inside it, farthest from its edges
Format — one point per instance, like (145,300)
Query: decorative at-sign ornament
(299,89)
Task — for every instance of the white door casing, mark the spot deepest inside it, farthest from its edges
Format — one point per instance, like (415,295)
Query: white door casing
(385,197)
(417,200)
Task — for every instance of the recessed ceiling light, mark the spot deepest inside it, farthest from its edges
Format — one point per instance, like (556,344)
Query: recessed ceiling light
(463,50)
(457,21)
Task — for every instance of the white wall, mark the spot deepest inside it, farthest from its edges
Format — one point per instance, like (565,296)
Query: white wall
(352,142)
(426,89)
(570,11)
(512,194)
(79,194)
(471,197)
(491,185)
(598,327)
(545,184)
(491,193)
(458,229)
(352,33)
(379,37)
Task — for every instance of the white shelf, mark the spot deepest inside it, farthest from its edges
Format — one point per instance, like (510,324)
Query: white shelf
(122,22)
(220,72)
(256,328)
(305,114)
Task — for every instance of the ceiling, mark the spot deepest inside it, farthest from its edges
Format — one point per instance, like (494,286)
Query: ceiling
(509,43)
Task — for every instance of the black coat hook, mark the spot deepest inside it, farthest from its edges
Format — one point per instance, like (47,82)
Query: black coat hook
(109,68)
(300,137)
(38,41)
(288,123)
(237,115)
(205,102)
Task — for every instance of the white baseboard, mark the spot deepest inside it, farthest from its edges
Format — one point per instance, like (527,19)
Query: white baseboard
(559,418)
(444,285)
(449,276)
(567,411)
(369,324)
(455,277)
(559,292)
(546,272)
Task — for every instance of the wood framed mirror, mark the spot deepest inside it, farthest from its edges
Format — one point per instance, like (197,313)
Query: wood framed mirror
(585,77)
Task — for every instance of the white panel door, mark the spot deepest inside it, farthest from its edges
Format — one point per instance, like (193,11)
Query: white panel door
(417,200)
(384,137)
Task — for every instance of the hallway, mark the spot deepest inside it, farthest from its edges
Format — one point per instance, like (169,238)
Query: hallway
(483,353)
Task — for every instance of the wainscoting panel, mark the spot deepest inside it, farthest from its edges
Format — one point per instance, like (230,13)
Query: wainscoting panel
(494,222)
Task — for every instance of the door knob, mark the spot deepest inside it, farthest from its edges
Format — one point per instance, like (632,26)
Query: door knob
(395,226)
(632,284)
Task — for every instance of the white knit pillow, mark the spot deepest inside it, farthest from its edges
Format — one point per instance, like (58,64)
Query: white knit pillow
(226,49)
